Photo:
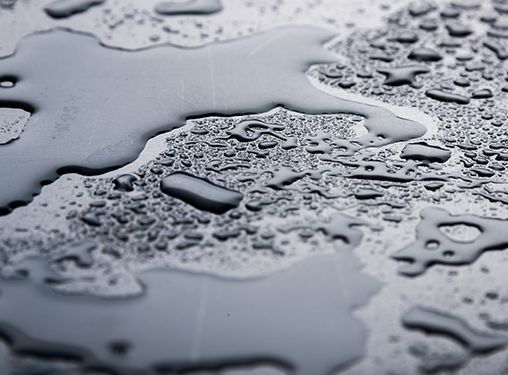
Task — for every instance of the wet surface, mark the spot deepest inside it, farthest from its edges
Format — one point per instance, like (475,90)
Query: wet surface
(185,190)
(191,7)
(434,246)
(175,323)
(67,8)
(200,193)
(203,77)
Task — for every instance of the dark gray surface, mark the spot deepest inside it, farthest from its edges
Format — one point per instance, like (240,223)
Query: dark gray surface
(307,189)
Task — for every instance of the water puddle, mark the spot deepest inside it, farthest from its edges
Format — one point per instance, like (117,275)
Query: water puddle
(176,322)
(197,82)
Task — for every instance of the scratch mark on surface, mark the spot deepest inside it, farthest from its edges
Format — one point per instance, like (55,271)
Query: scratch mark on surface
(212,76)
(200,317)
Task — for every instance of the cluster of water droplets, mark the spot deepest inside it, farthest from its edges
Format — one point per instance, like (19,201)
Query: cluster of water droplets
(449,62)
(229,195)
(246,196)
